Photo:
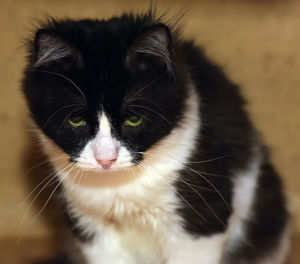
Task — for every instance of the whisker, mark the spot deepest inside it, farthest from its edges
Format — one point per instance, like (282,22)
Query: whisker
(212,187)
(214,159)
(52,193)
(41,163)
(61,125)
(192,162)
(60,109)
(198,173)
(142,106)
(132,171)
(196,185)
(64,77)
(205,202)
(146,86)
(35,198)
(143,116)
(185,166)
(147,100)
(174,189)
(53,176)
(76,184)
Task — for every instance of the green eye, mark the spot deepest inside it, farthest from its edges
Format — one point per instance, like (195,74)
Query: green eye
(77,121)
(133,121)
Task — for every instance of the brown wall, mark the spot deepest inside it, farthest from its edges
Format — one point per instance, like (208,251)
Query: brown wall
(257,43)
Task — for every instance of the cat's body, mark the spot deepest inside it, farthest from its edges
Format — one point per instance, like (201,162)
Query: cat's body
(158,160)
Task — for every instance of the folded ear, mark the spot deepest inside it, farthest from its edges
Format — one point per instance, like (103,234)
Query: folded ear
(153,42)
(51,48)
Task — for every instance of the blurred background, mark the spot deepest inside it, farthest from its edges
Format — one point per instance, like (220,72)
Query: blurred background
(255,41)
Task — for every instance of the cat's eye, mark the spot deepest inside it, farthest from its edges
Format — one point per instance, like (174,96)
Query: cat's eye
(133,121)
(77,121)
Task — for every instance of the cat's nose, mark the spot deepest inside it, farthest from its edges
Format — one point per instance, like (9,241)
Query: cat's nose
(106,164)
(106,151)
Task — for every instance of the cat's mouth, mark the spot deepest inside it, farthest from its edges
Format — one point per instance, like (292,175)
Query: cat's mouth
(89,176)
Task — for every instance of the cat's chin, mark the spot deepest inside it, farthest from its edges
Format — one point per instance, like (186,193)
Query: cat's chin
(98,169)
(96,177)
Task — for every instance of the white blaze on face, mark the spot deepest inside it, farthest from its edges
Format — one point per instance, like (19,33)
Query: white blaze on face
(104,151)
(106,148)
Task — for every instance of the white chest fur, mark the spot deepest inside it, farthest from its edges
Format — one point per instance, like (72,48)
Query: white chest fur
(146,246)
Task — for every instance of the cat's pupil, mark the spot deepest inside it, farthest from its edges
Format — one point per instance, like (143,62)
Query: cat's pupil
(133,119)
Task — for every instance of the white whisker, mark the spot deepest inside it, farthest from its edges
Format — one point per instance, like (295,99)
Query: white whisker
(64,77)
(36,187)
(35,198)
(146,86)
(150,109)
(60,109)
(198,173)
(174,189)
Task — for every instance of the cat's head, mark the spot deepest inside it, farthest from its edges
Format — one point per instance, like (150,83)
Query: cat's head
(104,92)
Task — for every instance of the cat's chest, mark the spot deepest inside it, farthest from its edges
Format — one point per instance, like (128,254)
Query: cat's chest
(166,243)
(140,230)
(134,242)
(131,231)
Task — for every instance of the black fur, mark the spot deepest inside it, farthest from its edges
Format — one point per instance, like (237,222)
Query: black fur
(226,146)
(226,139)
(77,231)
(269,219)
(105,65)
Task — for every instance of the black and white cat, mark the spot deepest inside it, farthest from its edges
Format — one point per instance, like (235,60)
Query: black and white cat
(158,160)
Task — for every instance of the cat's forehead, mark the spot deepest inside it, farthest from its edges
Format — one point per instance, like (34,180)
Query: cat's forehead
(97,40)
(106,61)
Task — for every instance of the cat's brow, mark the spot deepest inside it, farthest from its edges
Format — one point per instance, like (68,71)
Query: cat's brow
(57,111)
(146,86)
(150,109)
(64,77)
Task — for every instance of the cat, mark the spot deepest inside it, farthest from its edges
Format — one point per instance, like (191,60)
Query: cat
(156,155)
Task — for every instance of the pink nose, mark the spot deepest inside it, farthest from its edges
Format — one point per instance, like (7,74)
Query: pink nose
(106,164)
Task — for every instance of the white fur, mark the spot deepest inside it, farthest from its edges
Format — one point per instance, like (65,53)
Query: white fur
(52,49)
(137,223)
(105,127)
(104,146)
(244,186)
(156,44)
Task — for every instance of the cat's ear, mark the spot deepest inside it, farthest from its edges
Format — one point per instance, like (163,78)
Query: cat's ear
(153,43)
(51,48)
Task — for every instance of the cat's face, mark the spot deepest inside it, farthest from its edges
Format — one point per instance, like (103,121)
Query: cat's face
(103,92)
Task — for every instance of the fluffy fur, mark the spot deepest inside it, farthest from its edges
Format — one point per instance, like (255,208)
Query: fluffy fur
(191,182)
